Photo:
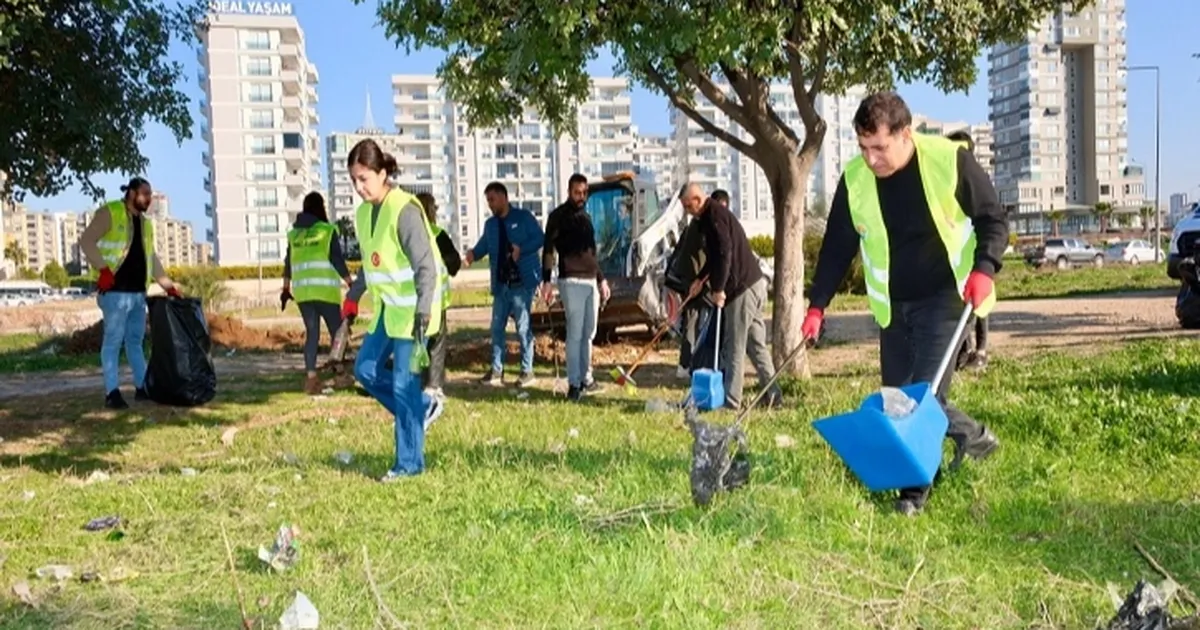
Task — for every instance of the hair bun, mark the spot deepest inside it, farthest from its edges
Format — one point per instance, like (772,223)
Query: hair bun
(389,163)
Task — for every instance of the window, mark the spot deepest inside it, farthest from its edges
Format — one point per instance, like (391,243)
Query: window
(266,198)
(462,210)
(258,67)
(268,250)
(262,119)
(260,93)
(256,40)
(292,141)
(464,231)
(263,171)
(262,145)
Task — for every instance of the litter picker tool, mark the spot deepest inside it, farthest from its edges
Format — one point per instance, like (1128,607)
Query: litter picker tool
(624,376)
(721,454)
(341,341)
(894,439)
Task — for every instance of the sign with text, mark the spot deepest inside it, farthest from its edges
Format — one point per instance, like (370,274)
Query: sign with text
(250,8)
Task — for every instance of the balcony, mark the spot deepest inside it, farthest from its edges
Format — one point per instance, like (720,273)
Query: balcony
(313,117)
(289,76)
(294,157)
(206,159)
(312,94)
(292,105)
(314,77)
(292,126)
(202,77)
(208,210)
(296,183)
(207,184)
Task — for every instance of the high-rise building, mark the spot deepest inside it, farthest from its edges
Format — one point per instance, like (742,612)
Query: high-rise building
(1058,113)
(605,134)
(840,144)
(1179,207)
(341,200)
(655,155)
(260,122)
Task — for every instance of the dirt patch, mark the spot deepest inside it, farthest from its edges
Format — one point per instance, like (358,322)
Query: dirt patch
(548,350)
(226,332)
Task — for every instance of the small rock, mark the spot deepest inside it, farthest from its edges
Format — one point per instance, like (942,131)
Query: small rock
(784,441)
(331,420)
(188,472)
(97,476)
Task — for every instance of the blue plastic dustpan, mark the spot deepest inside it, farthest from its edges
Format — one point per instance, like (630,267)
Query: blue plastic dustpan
(889,454)
(708,386)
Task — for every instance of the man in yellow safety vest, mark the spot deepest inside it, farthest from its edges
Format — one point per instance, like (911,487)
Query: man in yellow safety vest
(119,242)
(931,233)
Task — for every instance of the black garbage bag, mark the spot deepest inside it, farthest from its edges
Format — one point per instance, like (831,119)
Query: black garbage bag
(720,458)
(1187,302)
(180,370)
(1146,609)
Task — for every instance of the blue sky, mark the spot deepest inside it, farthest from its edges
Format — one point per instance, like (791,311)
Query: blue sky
(1159,33)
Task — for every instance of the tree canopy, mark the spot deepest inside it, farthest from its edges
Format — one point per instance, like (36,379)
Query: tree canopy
(506,55)
(81,79)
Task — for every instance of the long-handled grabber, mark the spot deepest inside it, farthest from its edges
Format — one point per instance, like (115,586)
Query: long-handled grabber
(624,376)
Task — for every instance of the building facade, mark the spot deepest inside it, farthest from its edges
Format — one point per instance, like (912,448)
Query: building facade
(1059,117)
(981,136)
(260,122)
(654,155)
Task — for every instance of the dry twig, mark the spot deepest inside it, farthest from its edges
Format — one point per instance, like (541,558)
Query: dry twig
(246,625)
(1154,564)
(383,609)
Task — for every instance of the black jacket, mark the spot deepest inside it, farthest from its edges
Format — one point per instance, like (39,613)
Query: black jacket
(731,265)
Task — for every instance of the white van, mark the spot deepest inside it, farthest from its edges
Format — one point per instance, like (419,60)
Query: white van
(25,292)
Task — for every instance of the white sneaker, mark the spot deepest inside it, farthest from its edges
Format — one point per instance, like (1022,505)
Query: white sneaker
(435,392)
(434,411)
(682,372)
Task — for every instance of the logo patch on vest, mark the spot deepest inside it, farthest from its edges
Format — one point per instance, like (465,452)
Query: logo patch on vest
(862,229)
(375,259)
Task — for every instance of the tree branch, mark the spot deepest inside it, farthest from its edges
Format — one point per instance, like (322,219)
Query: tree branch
(682,105)
(818,82)
(805,98)
(712,91)
(756,94)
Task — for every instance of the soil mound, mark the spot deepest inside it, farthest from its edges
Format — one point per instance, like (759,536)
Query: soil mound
(226,332)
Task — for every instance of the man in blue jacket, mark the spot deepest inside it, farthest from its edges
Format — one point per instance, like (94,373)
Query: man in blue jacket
(512,239)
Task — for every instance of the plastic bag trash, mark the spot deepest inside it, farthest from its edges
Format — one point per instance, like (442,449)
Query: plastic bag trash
(102,523)
(56,572)
(97,476)
(188,472)
(784,441)
(24,594)
(343,457)
(897,404)
(720,458)
(301,615)
(657,405)
(180,371)
(285,551)
(1145,608)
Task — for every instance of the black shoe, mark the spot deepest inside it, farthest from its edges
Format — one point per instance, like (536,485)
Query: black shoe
(526,379)
(978,360)
(492,378)
(114,400)
(140,395)
(977,448)
(912,501)
(574,394)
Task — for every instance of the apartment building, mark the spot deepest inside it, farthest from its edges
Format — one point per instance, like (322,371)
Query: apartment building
(260,122)
(1059,116)
(202,252)
(981,135)
(655,155)
(1178,207)
(605,141)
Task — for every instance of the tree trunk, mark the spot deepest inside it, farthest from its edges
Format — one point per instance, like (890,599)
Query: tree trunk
(789,188)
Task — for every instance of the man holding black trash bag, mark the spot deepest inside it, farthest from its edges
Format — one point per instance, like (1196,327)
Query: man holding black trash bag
(931,232)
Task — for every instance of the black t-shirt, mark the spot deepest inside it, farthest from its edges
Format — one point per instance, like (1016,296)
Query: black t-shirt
(912,237)
(130,277)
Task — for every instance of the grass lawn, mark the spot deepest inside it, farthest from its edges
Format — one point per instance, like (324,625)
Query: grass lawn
(508,527)
(29,352)
(465,298)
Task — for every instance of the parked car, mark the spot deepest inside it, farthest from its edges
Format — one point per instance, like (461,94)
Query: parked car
(1132,251)
(1064,253)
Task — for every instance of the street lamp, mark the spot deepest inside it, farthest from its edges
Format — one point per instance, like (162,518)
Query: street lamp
(1157,164)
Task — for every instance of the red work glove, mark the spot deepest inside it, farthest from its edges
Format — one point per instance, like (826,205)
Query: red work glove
(977,289)
(106,280)
(811,328)
(174,292)
(349,308)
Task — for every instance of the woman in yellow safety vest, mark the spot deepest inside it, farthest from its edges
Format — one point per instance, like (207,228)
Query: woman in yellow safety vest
(400,266)
(435,377)
(313,273)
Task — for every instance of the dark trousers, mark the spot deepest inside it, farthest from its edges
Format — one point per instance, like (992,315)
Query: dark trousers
(312,313)
(912,347)
(690,325)
(435,374)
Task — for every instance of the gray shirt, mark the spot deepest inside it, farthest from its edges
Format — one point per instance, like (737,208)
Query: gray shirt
(417,246)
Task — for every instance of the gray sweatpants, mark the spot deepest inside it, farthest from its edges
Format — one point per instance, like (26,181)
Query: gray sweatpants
(581,303)
(744,333)
(313,313)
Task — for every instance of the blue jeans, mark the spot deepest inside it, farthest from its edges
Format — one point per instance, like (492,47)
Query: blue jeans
(124,325)
(399,391)
(581,304)
(512,302)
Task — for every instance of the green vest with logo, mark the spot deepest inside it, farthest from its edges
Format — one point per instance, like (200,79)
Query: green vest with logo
(937,158)
(443,273)
(114,245)
(390,278)
(313,277)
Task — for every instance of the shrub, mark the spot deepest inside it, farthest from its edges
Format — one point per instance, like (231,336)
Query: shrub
(250,272)
(853,282)
(55,275)
(205,283)
(763,245)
